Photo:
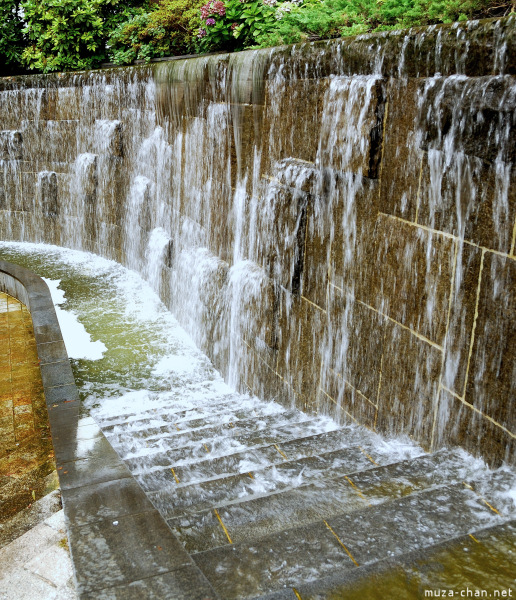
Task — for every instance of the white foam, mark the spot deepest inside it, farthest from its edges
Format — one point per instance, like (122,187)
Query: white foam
(175,364)
(77,340)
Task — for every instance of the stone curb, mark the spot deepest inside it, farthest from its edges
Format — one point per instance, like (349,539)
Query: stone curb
(121,546)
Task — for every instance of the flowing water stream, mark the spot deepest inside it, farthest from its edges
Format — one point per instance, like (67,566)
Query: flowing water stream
(254,223)
(130,355)
(139,374)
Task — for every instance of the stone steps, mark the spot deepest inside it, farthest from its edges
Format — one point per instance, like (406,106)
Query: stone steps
(172,437)
(343,542)
(172,424)
(267,500)
(170,412)
(285,451)
(332,493)
(479,561)
(200,494)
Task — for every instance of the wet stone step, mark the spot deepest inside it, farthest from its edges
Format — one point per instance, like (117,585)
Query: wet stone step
(174,438)
(221,445)
(159,469)
(174,500)
(171,412)
(259,517)
(154,424)
(249,518)
(287,449)
(498,489)
(344,542)
(484,559)
(258,459)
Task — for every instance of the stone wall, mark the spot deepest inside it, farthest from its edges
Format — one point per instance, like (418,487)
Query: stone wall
(334,223)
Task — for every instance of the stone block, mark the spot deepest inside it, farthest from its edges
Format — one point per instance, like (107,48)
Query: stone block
(11,145)
(301,329)
(401,155)
(244,138)
(246,77)
(221,219)
(292,133)
(108,500)
(354,344)
(210,141)
(317,246)
(344,403)
(47,194)
(352,125)
(491,385)
(111,134)
(11,109)
(68,100)
(298,174)
(257,369)
(149,549)
(279,214)
(459,424)
(51,141)
(412,272)
(469,198)
(462,313)
(12,226)
(354,212)
(47,104)
(12,187)
(409,386)
(474,116)
(3,198)
(186,583)
(29,191)
(254,296)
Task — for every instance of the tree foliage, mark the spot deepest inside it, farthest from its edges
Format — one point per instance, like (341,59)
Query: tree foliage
(52,35)
(12,41)
(169,29)
(63,35)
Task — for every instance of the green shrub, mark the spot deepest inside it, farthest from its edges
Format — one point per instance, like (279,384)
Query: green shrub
(170,29)
(11,38)
(334,18)
(70,34)
(235,24)
(62,35)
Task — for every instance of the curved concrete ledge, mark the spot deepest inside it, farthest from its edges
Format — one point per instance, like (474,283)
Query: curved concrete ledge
(121,546)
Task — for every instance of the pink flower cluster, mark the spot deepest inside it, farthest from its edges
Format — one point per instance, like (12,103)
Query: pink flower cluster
(214,7)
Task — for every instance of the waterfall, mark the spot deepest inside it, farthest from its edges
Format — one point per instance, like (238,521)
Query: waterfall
(333,223)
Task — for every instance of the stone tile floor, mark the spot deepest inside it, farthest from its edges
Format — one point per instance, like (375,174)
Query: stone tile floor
(36,564)
(26,453)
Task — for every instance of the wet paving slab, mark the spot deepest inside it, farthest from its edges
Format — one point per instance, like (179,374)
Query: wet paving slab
(26,452)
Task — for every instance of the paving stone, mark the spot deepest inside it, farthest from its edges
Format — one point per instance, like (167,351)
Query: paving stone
(57,374)
(186,583)
(111,552)
(51,352)
(107,500)
(90,471)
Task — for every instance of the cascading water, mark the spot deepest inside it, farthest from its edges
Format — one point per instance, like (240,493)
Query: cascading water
(329,221)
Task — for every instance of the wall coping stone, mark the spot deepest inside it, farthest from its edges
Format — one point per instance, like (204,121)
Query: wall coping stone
(118,541)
